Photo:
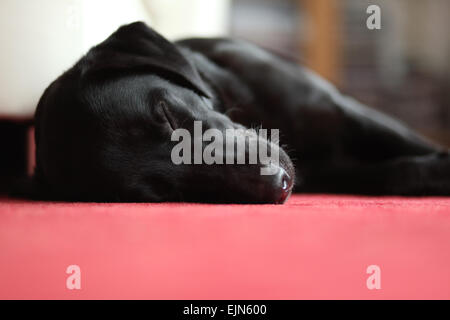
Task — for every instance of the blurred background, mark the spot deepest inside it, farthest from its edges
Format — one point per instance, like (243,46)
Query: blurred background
(402,69)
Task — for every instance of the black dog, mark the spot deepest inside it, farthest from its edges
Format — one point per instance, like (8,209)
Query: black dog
(103,129)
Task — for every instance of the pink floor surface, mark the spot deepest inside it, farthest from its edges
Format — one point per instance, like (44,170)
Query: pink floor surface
(312,247)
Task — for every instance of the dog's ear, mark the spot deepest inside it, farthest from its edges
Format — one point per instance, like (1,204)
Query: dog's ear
(136,46)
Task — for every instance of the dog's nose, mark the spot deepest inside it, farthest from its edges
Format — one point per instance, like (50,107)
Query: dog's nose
(285,182)
(280,187)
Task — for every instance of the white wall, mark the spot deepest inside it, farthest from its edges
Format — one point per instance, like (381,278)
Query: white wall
(42,38)
(177,19)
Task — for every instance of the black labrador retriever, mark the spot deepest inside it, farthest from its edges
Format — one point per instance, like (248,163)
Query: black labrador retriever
(103,128)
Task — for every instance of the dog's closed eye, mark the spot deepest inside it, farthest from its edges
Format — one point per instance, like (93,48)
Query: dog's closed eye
(163,114)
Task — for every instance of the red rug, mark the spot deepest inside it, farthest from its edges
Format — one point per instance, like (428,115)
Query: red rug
(312,247)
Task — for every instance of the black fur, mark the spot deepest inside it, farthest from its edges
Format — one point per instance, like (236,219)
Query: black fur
(103,128)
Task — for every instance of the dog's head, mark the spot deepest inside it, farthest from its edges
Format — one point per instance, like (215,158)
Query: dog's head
(104,130)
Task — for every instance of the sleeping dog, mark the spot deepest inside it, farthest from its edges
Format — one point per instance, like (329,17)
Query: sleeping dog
(104,128)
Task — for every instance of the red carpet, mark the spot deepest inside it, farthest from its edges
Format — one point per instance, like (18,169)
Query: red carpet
(312,247)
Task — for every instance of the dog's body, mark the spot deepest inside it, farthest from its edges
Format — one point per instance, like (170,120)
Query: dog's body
(338,144)
(93,143)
